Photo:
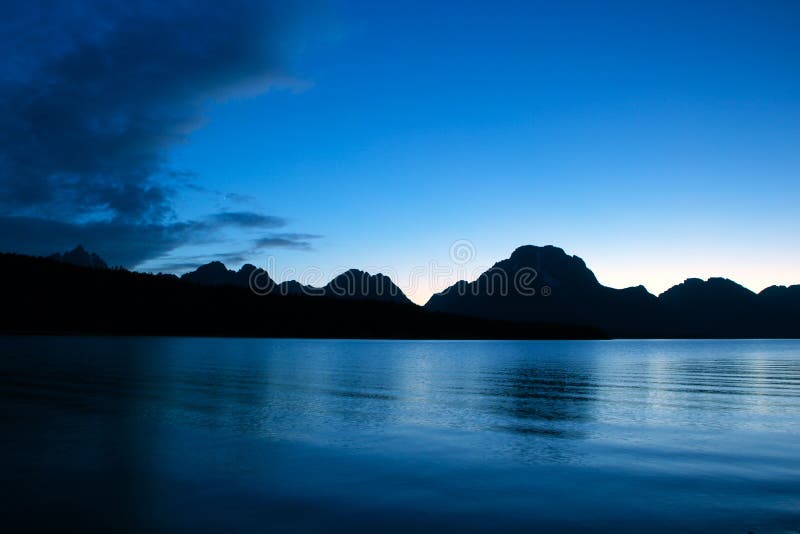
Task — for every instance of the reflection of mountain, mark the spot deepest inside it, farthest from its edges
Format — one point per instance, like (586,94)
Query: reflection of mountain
(545,284)
(542,400)
(42,295)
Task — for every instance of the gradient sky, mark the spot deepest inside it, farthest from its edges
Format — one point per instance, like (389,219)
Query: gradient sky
(657,142)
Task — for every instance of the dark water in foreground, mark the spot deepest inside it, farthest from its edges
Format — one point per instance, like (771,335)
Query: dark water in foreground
(269,435)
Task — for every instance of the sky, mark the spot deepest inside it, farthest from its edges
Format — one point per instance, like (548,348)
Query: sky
(426,140)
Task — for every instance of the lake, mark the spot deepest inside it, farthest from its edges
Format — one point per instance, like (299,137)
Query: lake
(273,435)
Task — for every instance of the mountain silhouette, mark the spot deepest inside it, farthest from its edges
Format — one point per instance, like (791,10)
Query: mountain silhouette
(360,285)
(542,284)
(214,302)
(697,307)
(719,307)
(293,287)
(545,284)
(352,284)
(79,256)
(538,292)
(780,309)
(216,274)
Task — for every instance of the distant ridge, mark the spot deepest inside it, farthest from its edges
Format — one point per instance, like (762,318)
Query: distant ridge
(564,290)
(538,292)
(353,284)
(51,297)
(544,283)
(79,256)
(360,285)
(216,274)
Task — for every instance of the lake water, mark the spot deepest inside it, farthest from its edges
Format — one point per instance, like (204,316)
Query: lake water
(327,435)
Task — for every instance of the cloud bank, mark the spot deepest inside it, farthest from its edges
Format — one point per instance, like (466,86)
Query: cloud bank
(92,97)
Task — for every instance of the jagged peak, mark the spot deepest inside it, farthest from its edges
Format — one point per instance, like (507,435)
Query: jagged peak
(81,257)
(215,264)
(524,250)
(212,266)
(355,283)
(780,287)
(358,274)
(712,284)
(353,271)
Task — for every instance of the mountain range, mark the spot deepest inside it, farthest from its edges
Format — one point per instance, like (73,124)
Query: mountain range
(538,292)
(81,257)
(351,284)
(561,288)
(52,296)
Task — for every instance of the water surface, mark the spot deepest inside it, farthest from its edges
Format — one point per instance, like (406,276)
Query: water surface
(270,435)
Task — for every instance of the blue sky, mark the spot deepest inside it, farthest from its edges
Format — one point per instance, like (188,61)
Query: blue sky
(657,142)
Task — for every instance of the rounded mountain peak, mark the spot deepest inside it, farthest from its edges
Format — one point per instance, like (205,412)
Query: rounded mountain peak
(552,264)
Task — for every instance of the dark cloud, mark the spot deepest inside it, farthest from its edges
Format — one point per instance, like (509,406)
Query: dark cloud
(296,236)
(248,219)
(286,240)
(122,242)
(94,93)
(239,198)
(118,242)
(190,263)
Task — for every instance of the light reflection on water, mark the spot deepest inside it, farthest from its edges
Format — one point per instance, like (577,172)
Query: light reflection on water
(251,434)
